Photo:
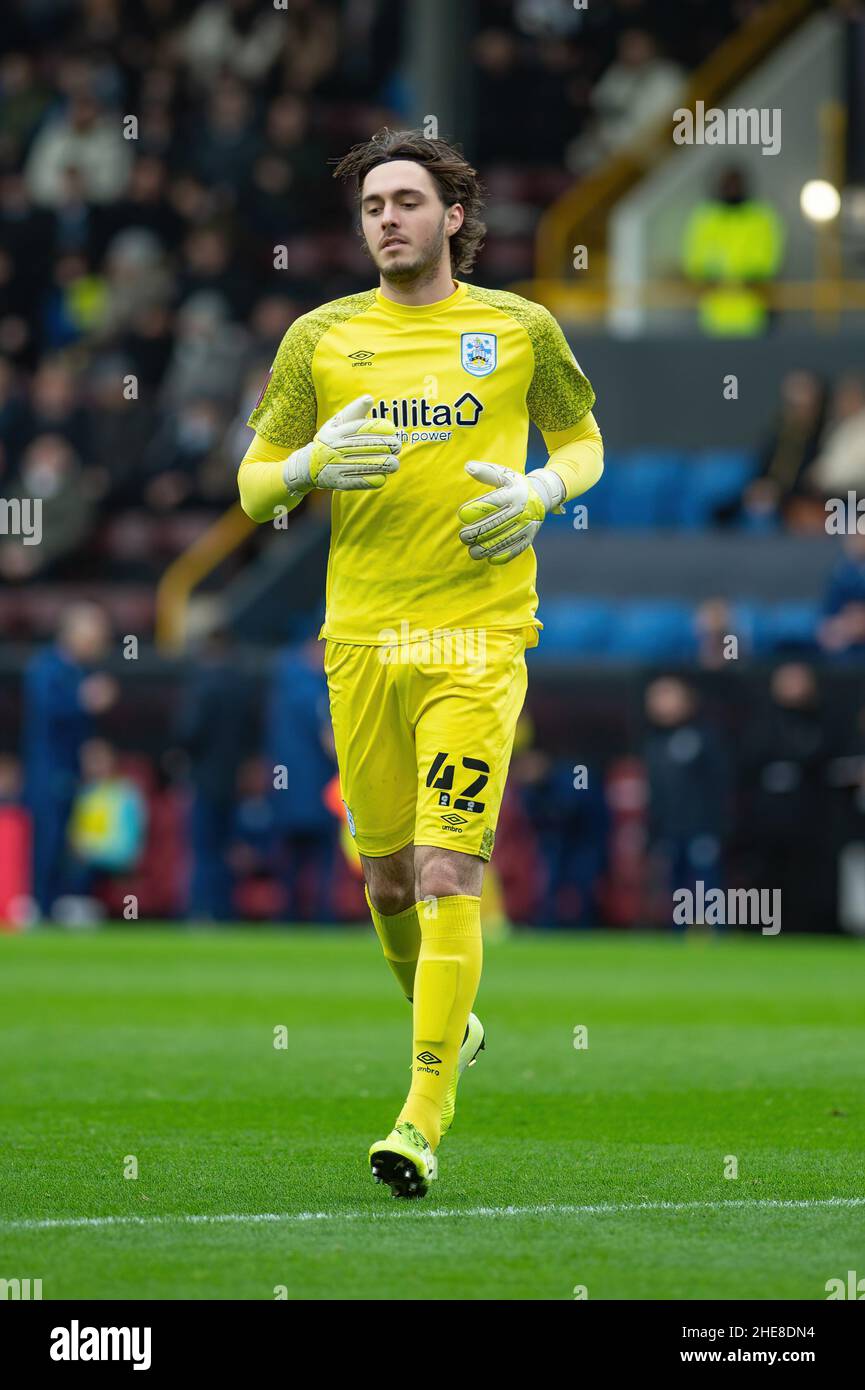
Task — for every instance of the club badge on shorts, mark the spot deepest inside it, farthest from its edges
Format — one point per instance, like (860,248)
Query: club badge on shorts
(479,353)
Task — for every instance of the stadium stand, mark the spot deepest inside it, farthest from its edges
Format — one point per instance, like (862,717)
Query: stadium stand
(141,303)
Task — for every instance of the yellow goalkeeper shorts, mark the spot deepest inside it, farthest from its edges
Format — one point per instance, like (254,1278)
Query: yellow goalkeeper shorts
(423,731)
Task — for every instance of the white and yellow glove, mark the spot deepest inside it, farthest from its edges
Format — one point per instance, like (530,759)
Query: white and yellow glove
(502,524)
(352,452)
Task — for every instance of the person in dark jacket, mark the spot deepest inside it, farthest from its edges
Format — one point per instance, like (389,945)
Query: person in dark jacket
(63,693)
(215,730)
(786,796)
(842,630)
(299,750)
(688,788)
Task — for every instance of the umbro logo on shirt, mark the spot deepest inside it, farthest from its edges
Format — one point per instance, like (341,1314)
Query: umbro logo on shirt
(360,358)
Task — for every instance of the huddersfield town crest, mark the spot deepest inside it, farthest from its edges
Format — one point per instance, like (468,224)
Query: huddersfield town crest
(479,353)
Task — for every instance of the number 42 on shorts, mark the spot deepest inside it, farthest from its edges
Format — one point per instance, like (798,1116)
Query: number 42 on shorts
(441,779)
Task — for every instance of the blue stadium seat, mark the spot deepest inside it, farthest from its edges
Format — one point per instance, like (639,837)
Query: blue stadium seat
(664,629)
(654,629)
(786,625)
(576,626)
(714,479)
(597,501)
(646,490)
(747,618)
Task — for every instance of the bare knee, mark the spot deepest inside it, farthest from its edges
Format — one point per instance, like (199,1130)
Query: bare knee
(445,873)
(390,881)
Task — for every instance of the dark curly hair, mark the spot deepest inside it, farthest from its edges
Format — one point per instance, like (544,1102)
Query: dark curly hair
(454,177)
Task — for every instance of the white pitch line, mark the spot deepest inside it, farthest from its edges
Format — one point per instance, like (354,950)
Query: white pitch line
(543,1209)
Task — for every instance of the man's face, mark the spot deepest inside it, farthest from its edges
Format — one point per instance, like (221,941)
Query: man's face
(405,223)
(85,633)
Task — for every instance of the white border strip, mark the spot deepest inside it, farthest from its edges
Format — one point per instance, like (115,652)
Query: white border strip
(70,1223)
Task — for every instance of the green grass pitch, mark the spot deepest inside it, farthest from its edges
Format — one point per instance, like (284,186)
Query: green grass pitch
(601,1167)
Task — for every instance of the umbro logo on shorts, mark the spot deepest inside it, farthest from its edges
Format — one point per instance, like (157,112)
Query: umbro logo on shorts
(454,819)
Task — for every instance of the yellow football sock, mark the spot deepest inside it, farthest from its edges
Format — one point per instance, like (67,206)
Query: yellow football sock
(400,941)
(447,979)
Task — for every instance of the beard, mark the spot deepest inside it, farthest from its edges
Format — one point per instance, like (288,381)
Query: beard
(418,269)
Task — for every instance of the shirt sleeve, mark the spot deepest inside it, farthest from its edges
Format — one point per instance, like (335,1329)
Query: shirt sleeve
(559,394)
(576,455)
(260,481)
(287,408)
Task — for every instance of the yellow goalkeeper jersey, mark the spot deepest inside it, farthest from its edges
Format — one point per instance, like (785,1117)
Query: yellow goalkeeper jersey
(461,379)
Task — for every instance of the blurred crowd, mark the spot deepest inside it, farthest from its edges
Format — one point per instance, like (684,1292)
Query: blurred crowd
(814,451)
(155,154)
(241,817)
(780,807)
(590,79)
(810,481)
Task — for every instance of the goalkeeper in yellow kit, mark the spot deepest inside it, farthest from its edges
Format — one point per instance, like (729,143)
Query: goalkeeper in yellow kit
(410,403)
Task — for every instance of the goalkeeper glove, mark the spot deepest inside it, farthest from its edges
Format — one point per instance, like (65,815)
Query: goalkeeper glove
(350,453)
(502,524)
